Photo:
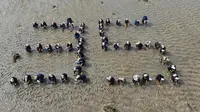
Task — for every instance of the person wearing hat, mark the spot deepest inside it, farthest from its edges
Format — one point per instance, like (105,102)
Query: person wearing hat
(160,78)
(69,46)
(147,44)
(116,46)
(127,45)
(136,79)
(139,45)
(111,80)
(35,25)
(137,22)
(175,78)
(146,78)
(162,49)
(52,78)
(172,68)
(69,22)
(27,79)
(14,81)
(77,69)
(39,48)
(144,20)
(28,48)
(107,21)
(127,22)
(121,80)
(39,78)
(64,77)
(81,78)
(118,22)
(54,25)
(43,24)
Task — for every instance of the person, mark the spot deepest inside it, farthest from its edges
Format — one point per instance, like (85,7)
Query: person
(81,61)
(101,33)
(80,54)
(144,20)
(69,46)
(127,45)
(80,47)
(136,79)
(127,22)
(52,78)
(116,46)
(82,28)
(35,25)
(81,40)
(81,78)
(62,25)
(69,22)
(28,48)
(101,21)
(15,57)
(77,35)
(105,39)
(172,68)
(82,25)
(111,80)
(43,24)
(104,46)
(28,79)
(101,27)
(64,77)
(14,81)
(148,44)
(160,78)
(40,48)
(146,78)
(157,45)
(49,48)
(118,22)
(139,45)
(77,69)
(137,22)
(163,49)
(121,80)
(39,78)
(164,60)
(107,21)
(175,78)
(54,25)
(58,48)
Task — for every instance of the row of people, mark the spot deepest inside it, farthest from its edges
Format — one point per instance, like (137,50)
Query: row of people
(39,78)
(137,22)
(80,77)
(58,47)
(63,26)
(48,48)
(43,24)
(144,79)
(104,39)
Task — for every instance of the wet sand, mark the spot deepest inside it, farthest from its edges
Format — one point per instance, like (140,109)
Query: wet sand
(175,23)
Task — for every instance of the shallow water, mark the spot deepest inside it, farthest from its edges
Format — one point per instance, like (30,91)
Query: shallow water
(175,23)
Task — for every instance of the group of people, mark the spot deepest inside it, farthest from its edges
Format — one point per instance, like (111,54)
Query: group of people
(40,78)
(49,49)
(127,45)
(145,78)
(104,39)
(171,68)
(175,79)
(69,23)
